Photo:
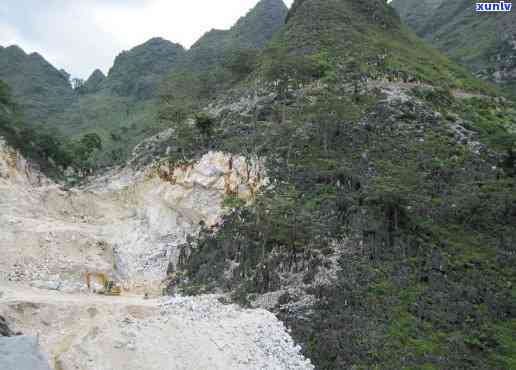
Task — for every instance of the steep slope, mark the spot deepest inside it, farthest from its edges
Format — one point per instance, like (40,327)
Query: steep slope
(252,31)
(368,38)
(136,73)
(416,13)
(37,145)
(39,88)
(387,240)
(120,108)
(484,42)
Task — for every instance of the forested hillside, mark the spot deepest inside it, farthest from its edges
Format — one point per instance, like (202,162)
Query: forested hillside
(137,72)
(388,234)
(121,108)
(40,89)
(484,42)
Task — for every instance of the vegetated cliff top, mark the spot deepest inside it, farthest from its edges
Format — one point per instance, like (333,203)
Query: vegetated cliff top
(38,87)
(136,72)
(484,42)
(355,33)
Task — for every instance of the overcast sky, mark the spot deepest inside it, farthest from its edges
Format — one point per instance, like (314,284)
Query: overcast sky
(81,35)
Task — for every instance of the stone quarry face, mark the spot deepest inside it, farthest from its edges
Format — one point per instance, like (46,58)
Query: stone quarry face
(127,223)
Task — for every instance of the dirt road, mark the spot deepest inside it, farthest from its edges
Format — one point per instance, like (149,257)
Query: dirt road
(89,332)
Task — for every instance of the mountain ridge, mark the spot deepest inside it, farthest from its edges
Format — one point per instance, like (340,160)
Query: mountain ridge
(44,89)
(483,42)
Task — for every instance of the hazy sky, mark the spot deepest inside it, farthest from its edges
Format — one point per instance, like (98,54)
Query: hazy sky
(81,35)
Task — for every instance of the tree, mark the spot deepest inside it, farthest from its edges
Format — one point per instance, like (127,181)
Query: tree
(179,95)
(77,83)
(92,141)
(204,123)
(288,71)
(241,61)
(81,152)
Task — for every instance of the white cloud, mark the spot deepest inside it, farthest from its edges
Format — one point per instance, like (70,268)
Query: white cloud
(82,35)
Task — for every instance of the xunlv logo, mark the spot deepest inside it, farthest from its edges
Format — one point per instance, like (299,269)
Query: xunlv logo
(502,6)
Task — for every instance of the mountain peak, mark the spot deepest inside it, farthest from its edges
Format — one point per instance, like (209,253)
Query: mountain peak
(136,72)
(313,25)
(15,50)
(160,41)
(93,83)
(258,26)
(251,31)
(97,73)
(44,88)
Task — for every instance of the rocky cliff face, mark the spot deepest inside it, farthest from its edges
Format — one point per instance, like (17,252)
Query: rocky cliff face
(127,223)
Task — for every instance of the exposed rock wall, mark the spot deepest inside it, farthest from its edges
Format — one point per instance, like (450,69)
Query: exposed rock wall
(126,223)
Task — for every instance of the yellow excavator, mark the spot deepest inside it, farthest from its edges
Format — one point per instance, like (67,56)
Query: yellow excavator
(110,288)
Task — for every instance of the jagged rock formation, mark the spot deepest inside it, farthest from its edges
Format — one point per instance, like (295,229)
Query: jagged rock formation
(137,72)
(484,42)
(40,89)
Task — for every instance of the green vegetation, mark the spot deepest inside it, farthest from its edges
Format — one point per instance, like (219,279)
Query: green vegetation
(45,146)
(410,203)
(39,89)
(424,226)
(251,32)
(427,278)
(136,73)
(218,61)
(416,14)
(479,41)
(367,39)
